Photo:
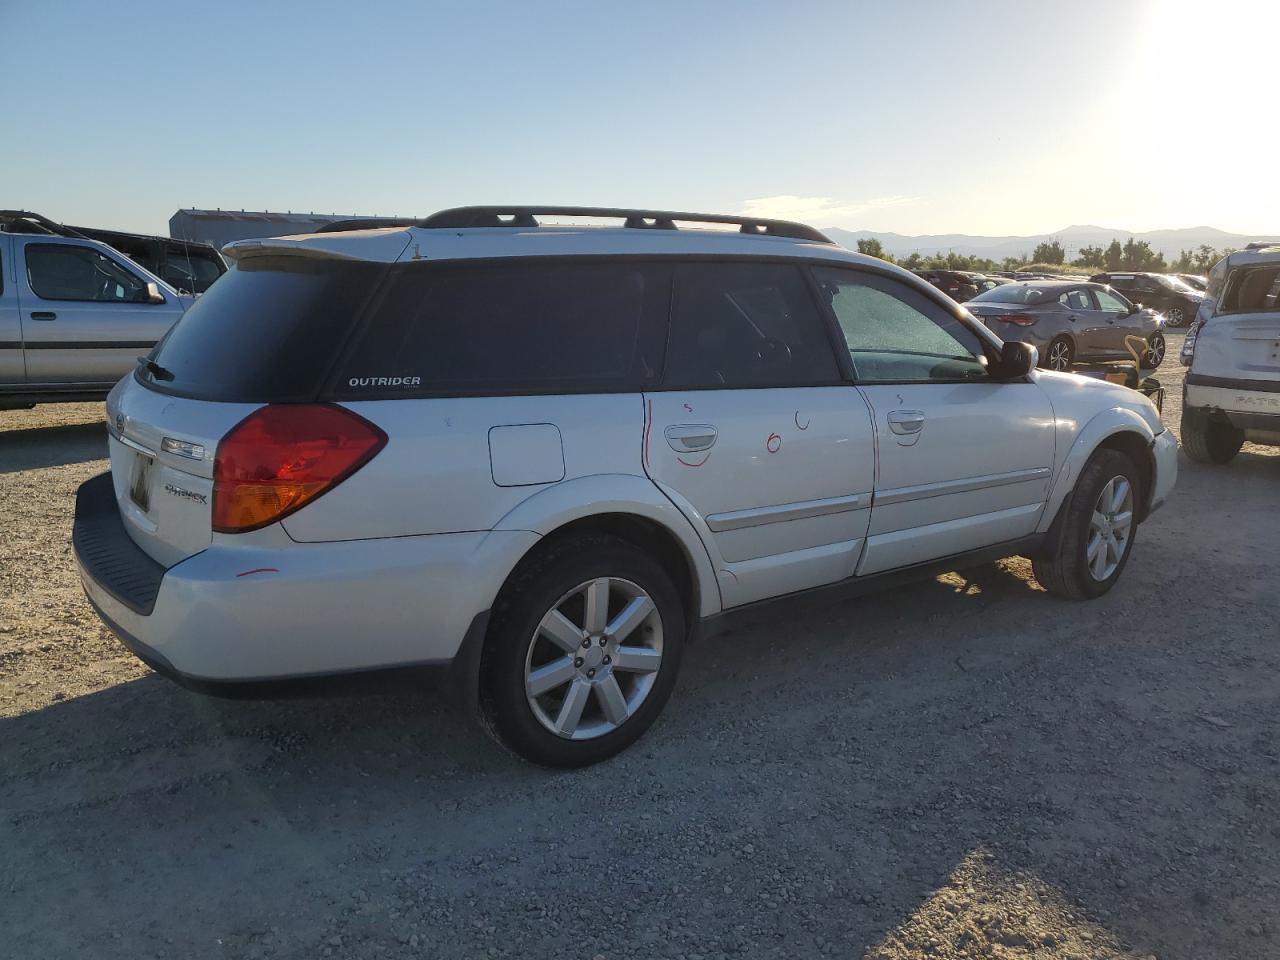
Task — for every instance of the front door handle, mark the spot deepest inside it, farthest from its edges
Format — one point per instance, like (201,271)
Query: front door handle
(43,315)
(690,437)
(906,422)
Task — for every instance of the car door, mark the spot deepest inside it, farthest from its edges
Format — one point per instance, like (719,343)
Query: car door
(12,371)
(85,315)
(1084,323)
(964,460)
(1117,314)
(756,435)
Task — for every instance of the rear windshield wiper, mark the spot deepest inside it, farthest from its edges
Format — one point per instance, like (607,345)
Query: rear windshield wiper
(153,368)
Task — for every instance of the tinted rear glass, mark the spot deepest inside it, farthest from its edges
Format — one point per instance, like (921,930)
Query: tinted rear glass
(267,331)
(511,327)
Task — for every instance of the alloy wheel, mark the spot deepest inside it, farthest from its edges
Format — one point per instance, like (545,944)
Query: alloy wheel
(1110,528)
(1154,353)
(1175,316)
(594,658)
(1059,355)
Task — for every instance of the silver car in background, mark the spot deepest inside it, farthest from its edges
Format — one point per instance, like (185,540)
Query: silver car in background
(1070,321)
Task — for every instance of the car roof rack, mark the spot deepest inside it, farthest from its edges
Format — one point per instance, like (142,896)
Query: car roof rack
(366,223)
(1262,244)
(27,222)
(522,216)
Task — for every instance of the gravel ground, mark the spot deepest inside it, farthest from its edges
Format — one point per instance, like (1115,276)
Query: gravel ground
(966,767)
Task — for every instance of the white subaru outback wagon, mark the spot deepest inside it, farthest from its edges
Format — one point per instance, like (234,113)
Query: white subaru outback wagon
(543,458)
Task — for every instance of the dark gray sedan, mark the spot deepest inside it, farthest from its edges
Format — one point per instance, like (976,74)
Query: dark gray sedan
(1070,321)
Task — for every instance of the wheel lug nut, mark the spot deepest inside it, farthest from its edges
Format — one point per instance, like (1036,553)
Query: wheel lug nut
(591,672)
(578,661)
(608,660)
(586,642)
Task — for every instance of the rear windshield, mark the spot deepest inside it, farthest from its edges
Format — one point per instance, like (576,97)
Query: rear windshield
(1011,293)
(1252,290)
(267,332)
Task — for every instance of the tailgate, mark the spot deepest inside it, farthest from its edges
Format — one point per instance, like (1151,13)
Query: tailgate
(162,450)
(1239,347)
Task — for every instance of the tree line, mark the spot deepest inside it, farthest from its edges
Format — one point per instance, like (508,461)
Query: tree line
(1130,255)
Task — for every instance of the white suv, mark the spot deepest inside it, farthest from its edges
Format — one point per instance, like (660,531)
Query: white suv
(544,458)
(1232,391)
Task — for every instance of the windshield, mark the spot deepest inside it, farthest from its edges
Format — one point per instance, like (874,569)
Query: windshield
(1011,293)
(1174,283)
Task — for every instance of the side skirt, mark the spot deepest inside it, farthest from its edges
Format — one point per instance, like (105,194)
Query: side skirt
(775,607)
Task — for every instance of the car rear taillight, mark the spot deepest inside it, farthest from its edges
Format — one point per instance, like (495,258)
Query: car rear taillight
(1019,319)
(283,456)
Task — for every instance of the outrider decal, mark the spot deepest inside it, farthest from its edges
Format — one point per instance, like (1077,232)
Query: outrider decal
(384,382)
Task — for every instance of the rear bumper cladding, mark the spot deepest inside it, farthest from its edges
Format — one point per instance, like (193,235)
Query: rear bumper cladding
(107,553)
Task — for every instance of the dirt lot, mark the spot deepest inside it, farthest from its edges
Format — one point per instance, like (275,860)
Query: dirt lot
(962,768)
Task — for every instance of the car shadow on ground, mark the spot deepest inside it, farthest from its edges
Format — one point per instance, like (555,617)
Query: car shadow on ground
(910,767)
(35,448)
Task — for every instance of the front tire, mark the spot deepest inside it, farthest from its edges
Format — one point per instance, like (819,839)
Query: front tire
(1092,540)
(1209,440)
(582,653)
(1154,354)
(1059,355)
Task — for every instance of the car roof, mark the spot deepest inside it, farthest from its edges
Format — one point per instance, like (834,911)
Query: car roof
(1256,254)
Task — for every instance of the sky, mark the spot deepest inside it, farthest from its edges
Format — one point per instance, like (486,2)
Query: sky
(987,118)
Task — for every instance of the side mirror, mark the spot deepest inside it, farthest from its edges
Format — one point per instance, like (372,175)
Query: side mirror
(153,294)
(1134,308)
(1017,360)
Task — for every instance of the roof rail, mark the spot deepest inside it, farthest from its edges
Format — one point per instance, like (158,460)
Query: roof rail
(366,223)
(1262,244)
(34,223)
(514,216)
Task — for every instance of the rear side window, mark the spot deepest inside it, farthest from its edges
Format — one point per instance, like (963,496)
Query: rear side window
(746,325)
(269,331)
(511,327)
(1255,290)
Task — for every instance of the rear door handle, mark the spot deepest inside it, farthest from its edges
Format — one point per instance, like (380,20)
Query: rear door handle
(43,315)
(906,422)
(690,437)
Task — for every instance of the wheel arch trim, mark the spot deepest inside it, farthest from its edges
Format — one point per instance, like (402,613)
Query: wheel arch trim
(602,495)
(1101,427)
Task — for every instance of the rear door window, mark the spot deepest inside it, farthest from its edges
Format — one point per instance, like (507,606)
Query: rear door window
(512,327)
(746,325)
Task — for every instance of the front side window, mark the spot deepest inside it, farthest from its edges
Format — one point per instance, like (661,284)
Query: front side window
(1108,302)
(746,325)
(57,271)
(897,335)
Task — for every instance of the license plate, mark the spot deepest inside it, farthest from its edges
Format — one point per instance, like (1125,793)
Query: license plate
(140,485)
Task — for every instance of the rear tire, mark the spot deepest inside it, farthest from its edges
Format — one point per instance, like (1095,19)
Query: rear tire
(1089,547)
(1059,355)
(563,705)
(1175,317)
(1209,440)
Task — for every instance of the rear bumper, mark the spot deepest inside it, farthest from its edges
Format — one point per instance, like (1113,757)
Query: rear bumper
(1248,404)
(267,619)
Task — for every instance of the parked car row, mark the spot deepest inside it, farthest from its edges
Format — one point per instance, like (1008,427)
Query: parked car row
(630,435)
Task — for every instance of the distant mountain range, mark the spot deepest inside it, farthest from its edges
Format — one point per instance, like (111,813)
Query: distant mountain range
(1168,242)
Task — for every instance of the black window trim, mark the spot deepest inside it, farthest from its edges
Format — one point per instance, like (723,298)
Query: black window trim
(86,246)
